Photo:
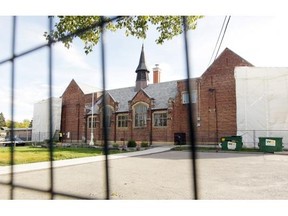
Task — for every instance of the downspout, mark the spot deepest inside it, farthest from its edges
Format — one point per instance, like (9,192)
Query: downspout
(151,124)
(85,128)
(216,116)
(78,121)
(199,102)
(115,126)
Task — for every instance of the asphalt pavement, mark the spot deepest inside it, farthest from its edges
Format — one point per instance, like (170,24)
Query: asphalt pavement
(162,175)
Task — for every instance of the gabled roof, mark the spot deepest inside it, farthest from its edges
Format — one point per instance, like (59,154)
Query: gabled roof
(138,92)
(122,96)
(161,92)
(228,53)
(88,89)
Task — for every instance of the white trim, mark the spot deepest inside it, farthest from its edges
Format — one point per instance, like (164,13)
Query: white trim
(133,118)
(159,112)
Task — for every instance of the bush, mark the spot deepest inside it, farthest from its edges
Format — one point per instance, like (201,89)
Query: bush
(115,145)
(144,144)
(131,144)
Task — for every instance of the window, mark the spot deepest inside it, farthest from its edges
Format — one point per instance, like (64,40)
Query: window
(90,122)
(122,121)
(140,115)
(160,119)
(185,97)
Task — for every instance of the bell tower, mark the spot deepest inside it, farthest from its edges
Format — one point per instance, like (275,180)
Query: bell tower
(142,73)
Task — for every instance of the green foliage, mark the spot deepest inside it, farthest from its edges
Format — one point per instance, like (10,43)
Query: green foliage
(24,124)
(2,120)
(31,124)
(137,26)
(144,144)
(115,145)
(131,144)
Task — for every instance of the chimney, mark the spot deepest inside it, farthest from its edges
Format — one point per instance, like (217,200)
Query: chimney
(156,74)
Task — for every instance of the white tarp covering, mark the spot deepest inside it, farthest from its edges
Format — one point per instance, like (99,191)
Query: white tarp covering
(40,129)
(262,103)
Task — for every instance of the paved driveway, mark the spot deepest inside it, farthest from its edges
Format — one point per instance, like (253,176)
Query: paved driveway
(165,176)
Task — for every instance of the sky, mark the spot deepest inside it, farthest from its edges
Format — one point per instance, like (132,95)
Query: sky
(261,40)
(257,31)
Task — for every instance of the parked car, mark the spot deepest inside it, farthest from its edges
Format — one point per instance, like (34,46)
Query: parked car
(16,140)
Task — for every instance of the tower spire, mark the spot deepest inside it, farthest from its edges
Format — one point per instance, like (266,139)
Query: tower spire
(142,72)
(142,64)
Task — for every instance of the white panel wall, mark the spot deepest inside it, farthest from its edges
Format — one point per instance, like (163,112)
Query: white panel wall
(40,129)
(262,103)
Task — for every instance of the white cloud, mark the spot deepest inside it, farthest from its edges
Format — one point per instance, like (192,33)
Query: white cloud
(70,58)
(30,32)
(260,40)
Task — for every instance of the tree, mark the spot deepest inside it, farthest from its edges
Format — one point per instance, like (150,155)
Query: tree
(167,26)
(24,124)
(2,120)
(9,123)
(31,123)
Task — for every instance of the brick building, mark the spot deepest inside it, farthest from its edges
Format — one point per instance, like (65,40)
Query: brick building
(217,98)
(156,112)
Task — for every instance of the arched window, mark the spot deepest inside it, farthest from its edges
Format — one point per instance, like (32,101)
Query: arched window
(140,117)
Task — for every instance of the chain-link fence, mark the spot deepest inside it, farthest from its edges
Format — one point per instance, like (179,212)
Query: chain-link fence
(51,191)
(251,137)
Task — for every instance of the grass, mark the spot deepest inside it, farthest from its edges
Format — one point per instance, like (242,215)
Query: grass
(24,155)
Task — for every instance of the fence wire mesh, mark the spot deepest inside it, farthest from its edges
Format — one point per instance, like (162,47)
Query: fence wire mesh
(51,191)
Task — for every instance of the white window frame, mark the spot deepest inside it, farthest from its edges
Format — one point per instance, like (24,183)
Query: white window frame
(156,119)
(185,97)
(89,122)
(122,121)
(142,122)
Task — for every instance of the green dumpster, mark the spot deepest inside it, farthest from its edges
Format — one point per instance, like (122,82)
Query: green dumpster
(231,143)
(270,144)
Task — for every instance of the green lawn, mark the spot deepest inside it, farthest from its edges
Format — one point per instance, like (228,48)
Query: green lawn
(32,154)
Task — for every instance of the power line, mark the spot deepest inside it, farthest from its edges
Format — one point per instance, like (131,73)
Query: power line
(217,40)
(220,33)
(223,36)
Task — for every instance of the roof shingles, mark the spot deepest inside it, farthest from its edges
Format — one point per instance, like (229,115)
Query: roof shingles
(161,92)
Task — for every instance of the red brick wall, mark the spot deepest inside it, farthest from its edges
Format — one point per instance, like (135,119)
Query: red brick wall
(218,98)
(98,130)
(72,120)
(214,112)
(180,115)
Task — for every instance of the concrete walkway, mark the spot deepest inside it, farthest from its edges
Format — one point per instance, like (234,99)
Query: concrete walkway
(76,161)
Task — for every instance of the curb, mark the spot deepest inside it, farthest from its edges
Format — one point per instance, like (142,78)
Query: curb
(77,161)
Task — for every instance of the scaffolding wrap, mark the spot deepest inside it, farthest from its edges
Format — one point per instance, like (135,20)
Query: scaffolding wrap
(262,102)
(40,129)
